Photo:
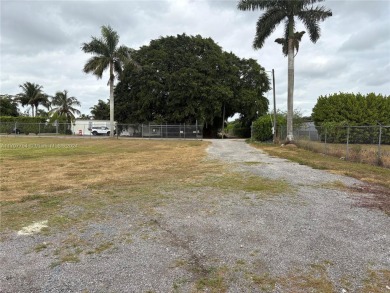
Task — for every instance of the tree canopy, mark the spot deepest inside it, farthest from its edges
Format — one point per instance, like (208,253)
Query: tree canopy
(353,109)
(8,106)
(64,106)
(101,111)
(32,95)
(185,79)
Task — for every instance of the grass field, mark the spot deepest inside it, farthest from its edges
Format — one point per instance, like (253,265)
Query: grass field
(40,175)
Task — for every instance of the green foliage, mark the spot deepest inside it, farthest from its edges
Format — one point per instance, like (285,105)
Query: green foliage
(101,111)
(23,123)
(186,79)
(22,119)
(236,129)
(334,115)
(262,127)
(64,107)
(33,95)
(353,109)
(8,106)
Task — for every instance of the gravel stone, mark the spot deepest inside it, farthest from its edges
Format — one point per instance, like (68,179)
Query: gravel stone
(199,233)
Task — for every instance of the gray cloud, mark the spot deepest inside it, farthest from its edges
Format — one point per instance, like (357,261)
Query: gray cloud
(40,42)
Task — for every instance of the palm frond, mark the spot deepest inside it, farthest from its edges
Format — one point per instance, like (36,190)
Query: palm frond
(110,38)
(311,18)
(266,25)
(258,4)
(97,65)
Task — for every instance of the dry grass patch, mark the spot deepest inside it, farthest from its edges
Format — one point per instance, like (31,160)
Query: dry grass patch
(93,163)
(70,186)
(362,153)
(364,172)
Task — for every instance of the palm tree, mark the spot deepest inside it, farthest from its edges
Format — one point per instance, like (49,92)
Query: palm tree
(107,55)
(64,106)
(276,11)
(32,95)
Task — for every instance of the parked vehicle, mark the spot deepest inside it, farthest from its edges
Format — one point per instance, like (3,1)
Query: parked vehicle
(100,130)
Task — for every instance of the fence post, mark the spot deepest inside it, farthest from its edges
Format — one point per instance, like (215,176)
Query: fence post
(184,131)
(379,145)
(347,152)
(325,140)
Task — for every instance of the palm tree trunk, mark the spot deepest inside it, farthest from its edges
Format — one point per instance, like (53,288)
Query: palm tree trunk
(111,100)
(290,91)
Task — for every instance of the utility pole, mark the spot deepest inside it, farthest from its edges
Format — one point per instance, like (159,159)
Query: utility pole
(273,89)
(223,121)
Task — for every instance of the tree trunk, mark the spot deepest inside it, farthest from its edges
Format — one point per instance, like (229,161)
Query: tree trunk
(290,91)
(111,99)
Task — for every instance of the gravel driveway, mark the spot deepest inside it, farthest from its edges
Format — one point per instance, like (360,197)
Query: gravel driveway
(312,239)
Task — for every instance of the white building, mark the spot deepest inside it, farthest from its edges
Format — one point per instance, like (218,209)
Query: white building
(83,127)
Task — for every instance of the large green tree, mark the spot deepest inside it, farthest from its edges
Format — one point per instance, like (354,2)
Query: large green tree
(185,79)
(277,11)
(64,106)
(107,55)
(33,95)
(8,106)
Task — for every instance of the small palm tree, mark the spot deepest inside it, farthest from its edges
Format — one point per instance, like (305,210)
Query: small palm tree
(33,96)
(64,106)
(277,11)
(106,55)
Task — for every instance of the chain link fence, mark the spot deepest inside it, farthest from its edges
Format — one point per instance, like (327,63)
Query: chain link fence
(17,128)
(150,130)
(180,131)
(365,144)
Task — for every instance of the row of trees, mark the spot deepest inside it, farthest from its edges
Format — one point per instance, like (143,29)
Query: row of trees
(59,106)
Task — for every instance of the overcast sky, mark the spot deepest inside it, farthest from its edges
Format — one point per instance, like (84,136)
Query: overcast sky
(41,40)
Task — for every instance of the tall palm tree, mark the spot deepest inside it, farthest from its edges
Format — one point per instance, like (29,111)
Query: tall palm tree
(276,11)
(33,96)
(64,106)
(106,55)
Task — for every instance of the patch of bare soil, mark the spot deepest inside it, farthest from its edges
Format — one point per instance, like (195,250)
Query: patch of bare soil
(373,197)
